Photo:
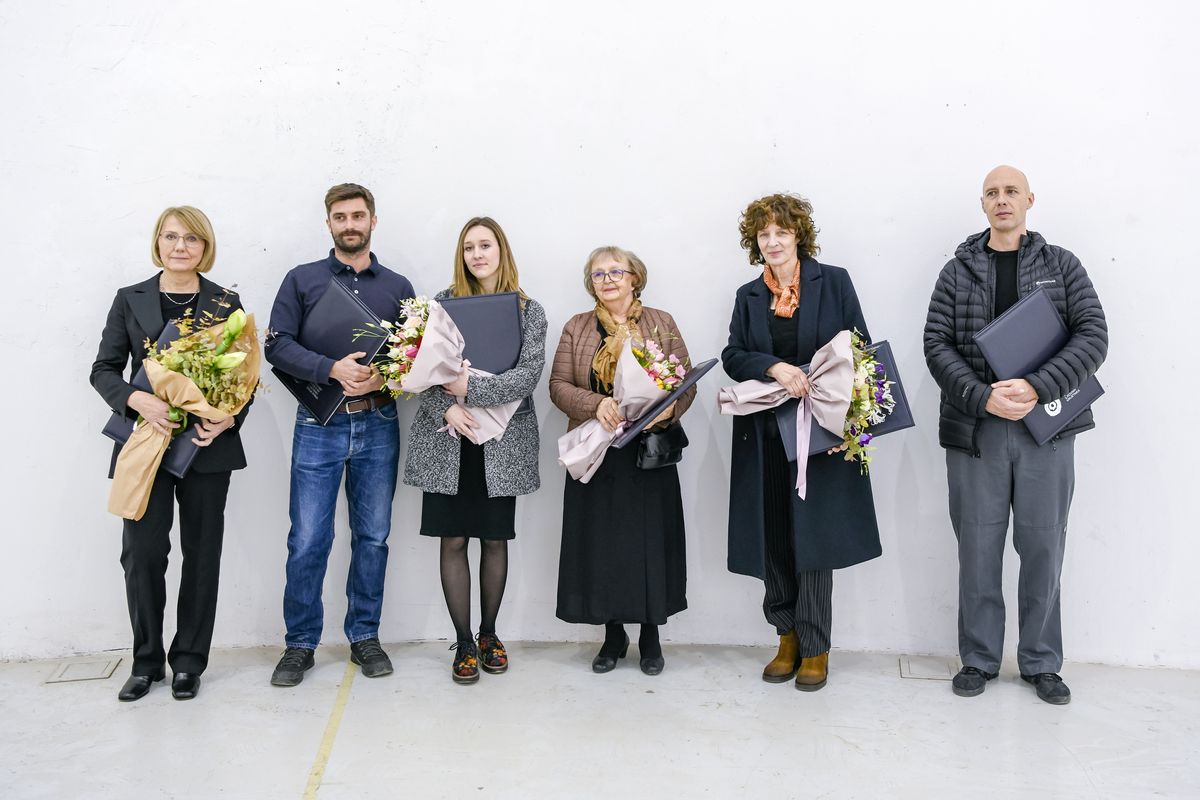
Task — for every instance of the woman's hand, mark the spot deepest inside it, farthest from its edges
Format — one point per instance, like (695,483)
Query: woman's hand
(458,386)
(609,414)
(666,414)
(790,378)
(460,419)
(209,430)
(154,410)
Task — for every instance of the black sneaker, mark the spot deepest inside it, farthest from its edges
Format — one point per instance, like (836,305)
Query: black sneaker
(370,656)
(290,669)
(971,681)
(1050,687)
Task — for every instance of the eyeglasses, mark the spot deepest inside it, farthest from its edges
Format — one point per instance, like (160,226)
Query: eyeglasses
(190,240)
(614,275)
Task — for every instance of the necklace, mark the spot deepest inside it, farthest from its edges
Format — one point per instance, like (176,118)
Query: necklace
(187,302)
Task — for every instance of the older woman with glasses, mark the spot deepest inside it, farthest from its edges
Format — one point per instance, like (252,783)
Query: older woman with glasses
(183,246)
(622,557)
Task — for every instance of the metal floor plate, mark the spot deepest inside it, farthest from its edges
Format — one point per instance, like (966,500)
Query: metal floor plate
(86,670)
(928,668)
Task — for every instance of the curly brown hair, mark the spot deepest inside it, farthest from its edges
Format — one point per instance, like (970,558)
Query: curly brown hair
(788,211)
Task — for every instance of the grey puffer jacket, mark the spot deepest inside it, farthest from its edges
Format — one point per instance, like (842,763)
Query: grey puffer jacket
(510,463)
(964,301)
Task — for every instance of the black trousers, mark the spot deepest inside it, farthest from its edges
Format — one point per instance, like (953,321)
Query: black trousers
(800,601)
(145,546)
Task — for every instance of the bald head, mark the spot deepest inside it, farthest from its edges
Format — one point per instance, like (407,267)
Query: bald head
(1006,199)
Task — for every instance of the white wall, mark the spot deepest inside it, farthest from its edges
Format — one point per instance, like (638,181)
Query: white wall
(639,124)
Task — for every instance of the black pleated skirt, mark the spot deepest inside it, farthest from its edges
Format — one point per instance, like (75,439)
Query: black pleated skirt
(470,512)
(623,556)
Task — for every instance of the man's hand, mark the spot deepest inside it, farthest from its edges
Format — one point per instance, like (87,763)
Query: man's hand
(460,419)
(790,378)
(209,430)
(1000,405)
(154,410)
(348,369)
(1016,389)
(373,383)
(609,414)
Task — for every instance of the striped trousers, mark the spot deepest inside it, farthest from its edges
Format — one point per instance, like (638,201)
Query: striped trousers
(800,601)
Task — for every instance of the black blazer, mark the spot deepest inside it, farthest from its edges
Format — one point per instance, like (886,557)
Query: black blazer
(836,526)
(136,315)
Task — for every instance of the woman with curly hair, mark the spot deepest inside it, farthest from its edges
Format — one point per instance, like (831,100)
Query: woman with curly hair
(780,319)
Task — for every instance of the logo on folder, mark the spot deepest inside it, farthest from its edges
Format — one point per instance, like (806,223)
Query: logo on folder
(1053,408)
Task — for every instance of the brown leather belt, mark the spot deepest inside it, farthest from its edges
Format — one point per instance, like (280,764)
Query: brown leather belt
(354,405)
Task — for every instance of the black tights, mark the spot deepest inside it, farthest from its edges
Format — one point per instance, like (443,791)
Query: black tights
(456,583)
(614,640)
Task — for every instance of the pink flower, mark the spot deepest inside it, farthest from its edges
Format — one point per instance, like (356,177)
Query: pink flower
(410,352)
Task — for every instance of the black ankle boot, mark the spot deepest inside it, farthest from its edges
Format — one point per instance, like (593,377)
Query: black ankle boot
(616,645)
(650,650)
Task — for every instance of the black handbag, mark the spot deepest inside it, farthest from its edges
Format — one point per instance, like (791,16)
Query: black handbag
(661,448)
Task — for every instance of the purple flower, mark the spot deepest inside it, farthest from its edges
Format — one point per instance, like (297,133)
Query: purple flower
(865,439)
(879,369)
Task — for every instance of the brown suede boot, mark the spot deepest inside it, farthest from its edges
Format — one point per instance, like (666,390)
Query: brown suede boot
(783,665)
(813,672)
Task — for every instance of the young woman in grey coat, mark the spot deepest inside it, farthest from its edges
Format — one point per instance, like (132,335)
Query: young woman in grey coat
(470,490)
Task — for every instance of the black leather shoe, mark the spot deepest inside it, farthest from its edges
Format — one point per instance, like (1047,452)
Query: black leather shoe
(370,656)
(137,686)
(653,665)
(971,681)
(1050,688)
(185,685)
(290,669)
(607,661)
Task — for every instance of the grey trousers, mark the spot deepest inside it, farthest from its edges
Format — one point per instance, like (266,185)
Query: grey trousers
(1036,483)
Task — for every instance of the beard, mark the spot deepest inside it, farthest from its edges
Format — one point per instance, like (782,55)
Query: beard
(353,246)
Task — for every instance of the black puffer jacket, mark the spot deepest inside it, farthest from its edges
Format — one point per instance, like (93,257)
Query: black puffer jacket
(964,301)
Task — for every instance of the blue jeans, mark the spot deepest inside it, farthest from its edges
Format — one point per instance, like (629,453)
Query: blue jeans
(366,448)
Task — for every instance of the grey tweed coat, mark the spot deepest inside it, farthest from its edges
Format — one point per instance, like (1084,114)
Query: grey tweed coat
(510,463)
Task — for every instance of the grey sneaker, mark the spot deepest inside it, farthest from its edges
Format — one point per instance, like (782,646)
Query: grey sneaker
(290,669)
(1050,687)
(971,681)
(370,656)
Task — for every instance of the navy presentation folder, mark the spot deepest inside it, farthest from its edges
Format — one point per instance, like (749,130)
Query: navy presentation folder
(181,452)
(1019,342)
(821,440)
(328,329)
(493,332)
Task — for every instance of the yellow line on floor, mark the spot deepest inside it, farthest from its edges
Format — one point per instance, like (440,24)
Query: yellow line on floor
(317,773)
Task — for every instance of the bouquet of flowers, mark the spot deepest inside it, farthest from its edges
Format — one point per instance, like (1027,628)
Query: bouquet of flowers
(404,339)
(644,375)
(425,351)
(211,372)
(870,402)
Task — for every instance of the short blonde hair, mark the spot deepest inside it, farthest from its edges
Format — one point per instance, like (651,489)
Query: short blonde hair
(634,264)
(196,222)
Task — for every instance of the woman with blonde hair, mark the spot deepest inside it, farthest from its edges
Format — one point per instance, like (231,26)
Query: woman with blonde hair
(623,555)
(183,246)
(470,490)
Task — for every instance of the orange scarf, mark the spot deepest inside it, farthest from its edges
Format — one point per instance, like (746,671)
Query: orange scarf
(786,300)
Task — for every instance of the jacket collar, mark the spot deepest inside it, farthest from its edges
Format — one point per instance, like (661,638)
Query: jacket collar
(806,315)
(973,252)
(147,308)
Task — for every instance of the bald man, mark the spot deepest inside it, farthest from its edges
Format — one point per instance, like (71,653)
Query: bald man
(993,465)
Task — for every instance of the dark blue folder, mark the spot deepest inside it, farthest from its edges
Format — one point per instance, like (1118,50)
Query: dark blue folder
(328,328)
(821,440)
(493,332)
(182,451)
(635,429)
(1019,342)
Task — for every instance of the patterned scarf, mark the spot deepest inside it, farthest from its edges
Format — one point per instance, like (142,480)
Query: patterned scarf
(605,362)
(786,300)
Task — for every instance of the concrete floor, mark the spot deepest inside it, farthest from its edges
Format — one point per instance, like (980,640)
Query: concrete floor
(549,728)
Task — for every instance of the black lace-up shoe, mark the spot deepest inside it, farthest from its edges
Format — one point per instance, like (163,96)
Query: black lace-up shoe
(290,669)
(971,681)
(369,655)
(1050,687)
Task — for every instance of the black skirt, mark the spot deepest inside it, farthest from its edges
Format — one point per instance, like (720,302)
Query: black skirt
(470,512)
(623,556)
